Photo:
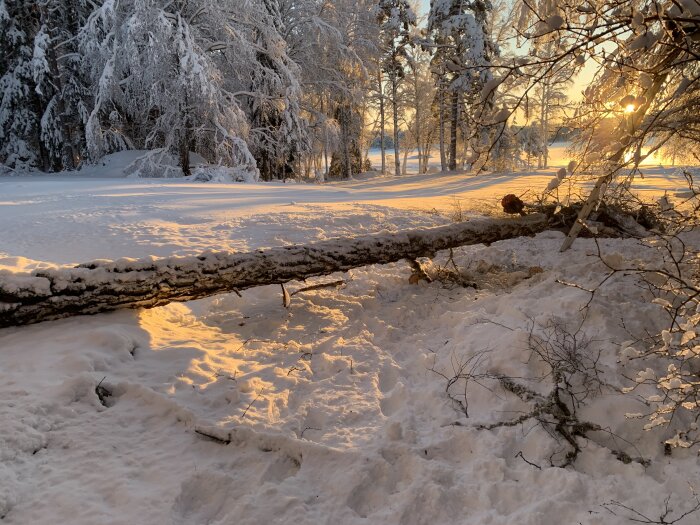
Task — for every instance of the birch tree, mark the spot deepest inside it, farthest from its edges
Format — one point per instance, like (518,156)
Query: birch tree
(422,124)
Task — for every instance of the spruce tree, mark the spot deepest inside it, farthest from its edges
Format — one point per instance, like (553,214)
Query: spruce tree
(20,104)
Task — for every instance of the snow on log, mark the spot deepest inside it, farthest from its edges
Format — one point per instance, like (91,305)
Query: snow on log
(102,286)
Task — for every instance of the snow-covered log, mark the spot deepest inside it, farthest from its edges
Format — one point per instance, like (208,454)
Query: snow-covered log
(102,286)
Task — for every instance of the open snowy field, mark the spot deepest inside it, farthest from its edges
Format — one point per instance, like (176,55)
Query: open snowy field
(559,156)
(333,410)
(98,213)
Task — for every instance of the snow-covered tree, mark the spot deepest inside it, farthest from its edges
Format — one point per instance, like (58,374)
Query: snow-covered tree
(45,100)
(420,91)
(462,65)
(645,87)
(61,81)
(267,83)
(549,100)
(336,57)
(20,104)
(396,18)
(299,69)
(157,84)
(531,141)
(309,45)
(505,153)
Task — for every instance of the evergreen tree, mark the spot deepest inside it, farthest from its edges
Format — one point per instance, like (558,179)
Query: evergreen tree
(45,101)
(61,82)
(20,105)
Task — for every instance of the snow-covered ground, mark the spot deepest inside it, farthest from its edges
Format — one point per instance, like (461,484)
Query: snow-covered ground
(331,411)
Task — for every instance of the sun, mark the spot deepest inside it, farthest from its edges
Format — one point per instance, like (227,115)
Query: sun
(630,108)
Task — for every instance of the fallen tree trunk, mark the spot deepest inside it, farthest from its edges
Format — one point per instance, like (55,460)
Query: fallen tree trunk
(102,286)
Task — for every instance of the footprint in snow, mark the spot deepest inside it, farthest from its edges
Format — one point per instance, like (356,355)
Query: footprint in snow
(280,469)
(202,498)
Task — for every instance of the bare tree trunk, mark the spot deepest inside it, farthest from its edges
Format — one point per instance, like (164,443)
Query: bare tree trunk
(454,121)
(361,140)
(545,126)
(348,160)
(419,122)
(427,149)
(443,155)
(185,158)
(325,142)
(543,135)
(382,121)
(428,142)
(346,144)
(395,104)
(105,286)
(183,135)
(184,145)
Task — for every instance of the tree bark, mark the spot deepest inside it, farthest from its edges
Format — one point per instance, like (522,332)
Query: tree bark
(543,134)
(545,125)
(382,121)
(395,106)
(454,121)
(346,142)
(102,286)
(419,121)
(443,155)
